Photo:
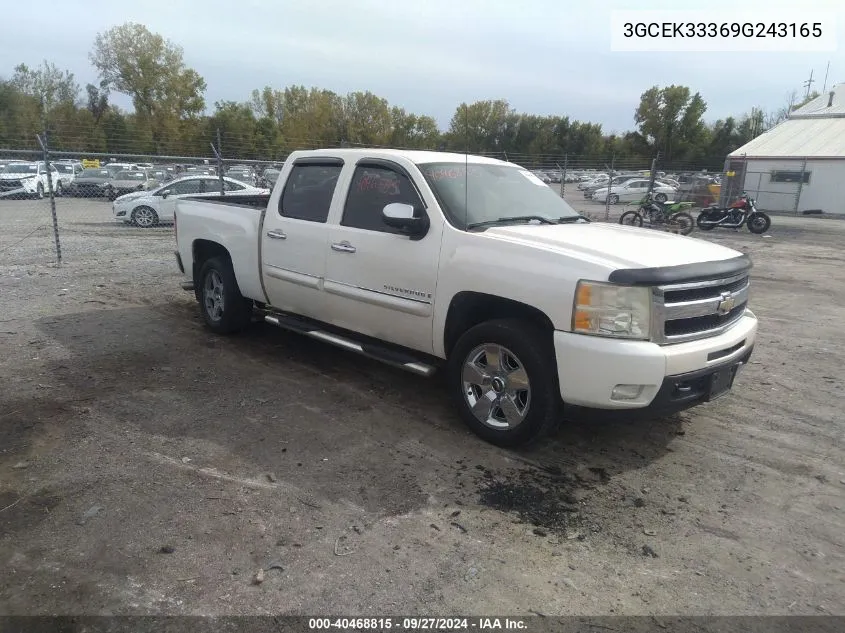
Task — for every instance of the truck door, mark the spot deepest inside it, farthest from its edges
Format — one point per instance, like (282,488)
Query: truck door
(379,282)
(295,237)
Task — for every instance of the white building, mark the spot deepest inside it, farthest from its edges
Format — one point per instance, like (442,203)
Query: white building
(798,165)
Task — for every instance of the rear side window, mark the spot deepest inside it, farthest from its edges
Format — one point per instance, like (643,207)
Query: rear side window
(232,186)
(372,189)
(309,191)
(186,187)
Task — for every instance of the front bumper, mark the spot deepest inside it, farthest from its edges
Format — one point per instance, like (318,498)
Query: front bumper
(672,376)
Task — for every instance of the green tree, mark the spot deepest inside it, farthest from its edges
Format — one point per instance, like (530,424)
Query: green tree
(237,126)
(48,85)
(670,119)
(410,130)
(480,126)
(134,61)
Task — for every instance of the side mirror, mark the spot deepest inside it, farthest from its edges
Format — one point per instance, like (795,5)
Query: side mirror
(409,219)
(165,193)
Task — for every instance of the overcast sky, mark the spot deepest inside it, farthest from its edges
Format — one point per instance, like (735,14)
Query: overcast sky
(543,56)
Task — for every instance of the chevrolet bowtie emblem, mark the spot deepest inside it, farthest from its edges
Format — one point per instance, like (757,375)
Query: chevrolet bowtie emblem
(726,304)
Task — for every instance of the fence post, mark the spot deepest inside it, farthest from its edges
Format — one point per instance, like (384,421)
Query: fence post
(219,156)
(653,172)
(563,174)
(43,142)
(609,181)
(800,187)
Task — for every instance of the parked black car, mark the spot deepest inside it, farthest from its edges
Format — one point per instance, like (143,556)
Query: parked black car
(91,183)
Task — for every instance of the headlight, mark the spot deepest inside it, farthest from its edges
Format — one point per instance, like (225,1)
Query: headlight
(604,309)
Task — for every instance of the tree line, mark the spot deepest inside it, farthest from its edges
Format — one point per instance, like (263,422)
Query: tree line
(170,116)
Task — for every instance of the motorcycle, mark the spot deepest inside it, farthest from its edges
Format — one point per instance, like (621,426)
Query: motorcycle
(741,212)
(672,215)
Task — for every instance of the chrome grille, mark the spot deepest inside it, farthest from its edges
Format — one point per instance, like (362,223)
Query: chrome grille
(698,309)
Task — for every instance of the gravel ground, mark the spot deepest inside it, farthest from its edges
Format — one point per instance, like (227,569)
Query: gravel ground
(147,466)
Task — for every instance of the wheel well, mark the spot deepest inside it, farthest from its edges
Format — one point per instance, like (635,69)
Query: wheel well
(204,250)
(468,309)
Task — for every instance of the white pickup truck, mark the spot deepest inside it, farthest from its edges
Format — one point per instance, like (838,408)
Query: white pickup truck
(429,259)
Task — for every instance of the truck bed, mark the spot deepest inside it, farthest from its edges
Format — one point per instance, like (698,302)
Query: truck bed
(228,219)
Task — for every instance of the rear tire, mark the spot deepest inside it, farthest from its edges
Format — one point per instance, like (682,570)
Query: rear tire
(631,218)
(512,397)
(683,222)
(660,197)
(224,309)
(704,227)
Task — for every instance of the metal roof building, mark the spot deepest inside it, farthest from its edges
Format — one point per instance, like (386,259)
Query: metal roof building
(798,165)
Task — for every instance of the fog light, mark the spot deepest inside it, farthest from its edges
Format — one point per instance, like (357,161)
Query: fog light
(626,392)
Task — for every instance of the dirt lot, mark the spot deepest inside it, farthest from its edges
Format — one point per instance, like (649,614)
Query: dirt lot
(147,466)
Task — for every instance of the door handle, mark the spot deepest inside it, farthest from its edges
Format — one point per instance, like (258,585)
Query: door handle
(276,234)
(343,247)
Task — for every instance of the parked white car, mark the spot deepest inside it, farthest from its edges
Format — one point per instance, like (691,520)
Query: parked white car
(68,171)
(633,191)
(150,208)
(598,180)
(28,180)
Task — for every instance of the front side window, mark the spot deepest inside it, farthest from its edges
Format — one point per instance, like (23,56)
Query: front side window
(372,189)
(308,191)
(484,192)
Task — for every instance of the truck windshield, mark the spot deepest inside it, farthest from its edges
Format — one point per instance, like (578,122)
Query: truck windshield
(479,193)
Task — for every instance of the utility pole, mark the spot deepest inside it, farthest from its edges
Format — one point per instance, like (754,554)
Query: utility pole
(809,83)
(827,70)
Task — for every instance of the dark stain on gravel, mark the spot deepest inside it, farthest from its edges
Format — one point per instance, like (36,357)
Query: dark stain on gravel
(542,498)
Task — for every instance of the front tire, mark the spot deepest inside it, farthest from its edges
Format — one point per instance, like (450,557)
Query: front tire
(224,309)
(144,217)
(39,191)
(59,189)
(503,377)
(759,223)
(613,198)
(631,218)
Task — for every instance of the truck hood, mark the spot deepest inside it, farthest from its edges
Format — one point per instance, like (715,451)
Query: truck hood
(613,245)
(16,176)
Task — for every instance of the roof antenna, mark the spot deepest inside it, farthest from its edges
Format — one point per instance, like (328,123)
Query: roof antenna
(466,163)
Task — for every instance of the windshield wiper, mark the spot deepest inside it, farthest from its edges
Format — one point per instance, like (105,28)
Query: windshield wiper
(516,218)
(572,218)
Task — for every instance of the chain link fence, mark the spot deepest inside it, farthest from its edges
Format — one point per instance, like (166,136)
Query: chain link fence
(58,206)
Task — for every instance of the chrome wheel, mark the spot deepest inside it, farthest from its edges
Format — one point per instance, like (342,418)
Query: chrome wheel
(212,295)
(496,386)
